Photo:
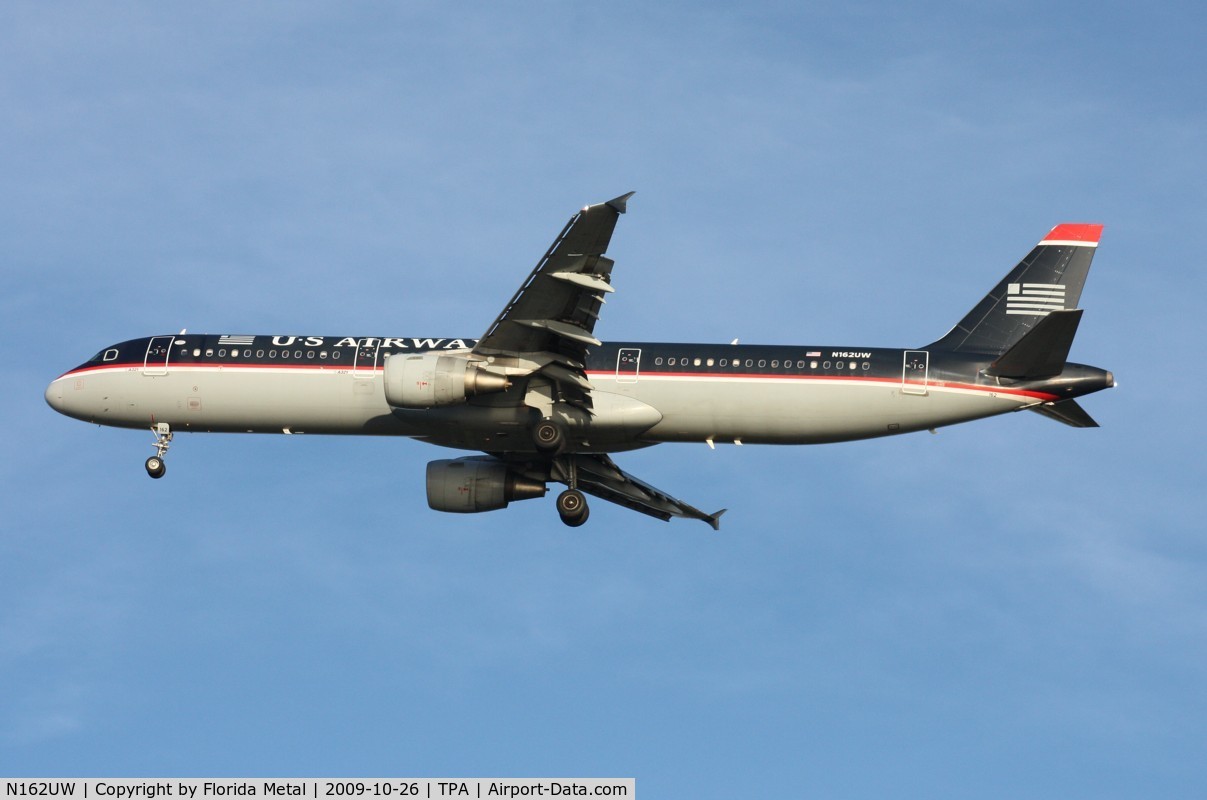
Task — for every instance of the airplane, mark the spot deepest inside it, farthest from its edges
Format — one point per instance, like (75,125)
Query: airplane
(545,401)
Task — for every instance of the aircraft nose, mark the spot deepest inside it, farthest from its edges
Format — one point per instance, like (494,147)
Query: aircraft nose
(54,395)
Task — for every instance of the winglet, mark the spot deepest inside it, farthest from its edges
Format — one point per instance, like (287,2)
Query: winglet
(620,203)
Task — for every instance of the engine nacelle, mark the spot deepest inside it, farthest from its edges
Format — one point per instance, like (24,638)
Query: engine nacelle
(426,380)
(477,483)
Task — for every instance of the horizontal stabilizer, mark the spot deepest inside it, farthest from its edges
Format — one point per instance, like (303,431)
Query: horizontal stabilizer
(1068,412)
(1042,352)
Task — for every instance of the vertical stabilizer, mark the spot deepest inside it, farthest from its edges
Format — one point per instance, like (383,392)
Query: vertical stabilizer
(1049,279)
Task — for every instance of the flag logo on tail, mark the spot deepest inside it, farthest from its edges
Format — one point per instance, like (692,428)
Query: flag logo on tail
(1035,299)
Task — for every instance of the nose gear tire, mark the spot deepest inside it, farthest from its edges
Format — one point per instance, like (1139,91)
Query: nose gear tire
(155,467)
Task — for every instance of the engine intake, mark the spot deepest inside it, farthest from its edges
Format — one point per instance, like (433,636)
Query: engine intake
(428,380)
(477,483)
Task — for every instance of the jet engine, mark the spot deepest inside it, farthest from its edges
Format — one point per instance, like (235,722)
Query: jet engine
(428,379)
(477,483)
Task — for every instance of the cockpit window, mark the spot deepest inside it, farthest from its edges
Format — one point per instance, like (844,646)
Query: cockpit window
(105,355)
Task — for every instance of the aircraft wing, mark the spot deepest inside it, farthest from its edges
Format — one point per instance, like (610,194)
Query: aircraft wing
(550,321)
(547,328)
(597,474)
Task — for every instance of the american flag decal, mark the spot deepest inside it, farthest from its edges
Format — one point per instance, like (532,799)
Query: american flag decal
(1035,299)
(240,340)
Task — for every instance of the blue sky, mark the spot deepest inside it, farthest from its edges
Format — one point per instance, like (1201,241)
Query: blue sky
(1009,608)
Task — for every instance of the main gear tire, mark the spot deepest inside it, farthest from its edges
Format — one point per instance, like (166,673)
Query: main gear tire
(572,507)
(548,436)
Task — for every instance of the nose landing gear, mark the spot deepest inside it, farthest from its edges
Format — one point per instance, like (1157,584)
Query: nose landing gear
(163,438)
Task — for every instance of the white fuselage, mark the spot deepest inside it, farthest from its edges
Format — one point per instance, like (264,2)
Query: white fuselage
(630,410)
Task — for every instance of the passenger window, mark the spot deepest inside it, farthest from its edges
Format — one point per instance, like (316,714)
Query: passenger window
(762,363)
(825,365)
(709,362)
(196,352)
(297,353)
(749,362)
(658,361)
(221,354)
(812,365)
(310,354)
(724,362)
(209,352)
(259,354)
(696,362)
(775,364)
(322,354)
(670,362)
(272,353)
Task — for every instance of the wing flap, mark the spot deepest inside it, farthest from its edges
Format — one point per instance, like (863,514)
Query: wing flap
(563,329)
(560,374)
(588,280)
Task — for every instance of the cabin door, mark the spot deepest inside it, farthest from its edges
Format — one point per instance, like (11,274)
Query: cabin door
(365,364)
(915,372)
(158,350)
(628,363)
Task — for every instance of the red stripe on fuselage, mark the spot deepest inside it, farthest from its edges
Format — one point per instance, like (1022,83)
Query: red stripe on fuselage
(845,378)
(746,376)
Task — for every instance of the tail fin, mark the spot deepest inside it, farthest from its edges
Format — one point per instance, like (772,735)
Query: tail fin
(1049,279)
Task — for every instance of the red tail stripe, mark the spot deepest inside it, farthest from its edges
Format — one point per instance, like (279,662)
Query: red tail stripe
(1075,232)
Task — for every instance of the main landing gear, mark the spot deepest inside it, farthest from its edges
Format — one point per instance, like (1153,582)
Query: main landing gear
(548,436)
(572,507)
(163,438)
(571,504)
